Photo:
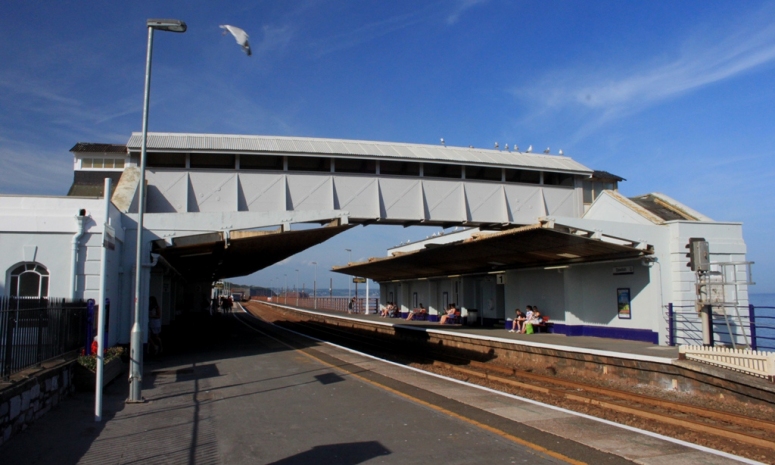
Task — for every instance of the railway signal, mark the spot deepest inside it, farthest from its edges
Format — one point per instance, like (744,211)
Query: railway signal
(699,254)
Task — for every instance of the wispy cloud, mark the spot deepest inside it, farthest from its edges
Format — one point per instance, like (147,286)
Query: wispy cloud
(609,92)
(368,32)
(274,39)
(461,7)
(25,169)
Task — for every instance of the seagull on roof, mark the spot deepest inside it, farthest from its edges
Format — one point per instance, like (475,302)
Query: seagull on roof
(240,36)
(529,149)
(546,150)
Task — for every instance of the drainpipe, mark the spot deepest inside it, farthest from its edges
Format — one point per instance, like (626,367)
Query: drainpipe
(76,243)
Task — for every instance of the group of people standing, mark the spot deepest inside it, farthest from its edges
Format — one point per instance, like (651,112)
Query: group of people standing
(524,322)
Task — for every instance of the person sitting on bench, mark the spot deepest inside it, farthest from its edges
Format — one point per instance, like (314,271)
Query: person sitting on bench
(450,313)
(519,322)
(418,313)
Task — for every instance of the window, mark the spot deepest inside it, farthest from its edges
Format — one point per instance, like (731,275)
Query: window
(349,165)
(261,162)
(415,300)
(438,170)
(222,161)
(593,189)
(523,176)
(165,160)
(399,168)
(482,173)
(29,280)
(558,179)
(309,164)
(102,163)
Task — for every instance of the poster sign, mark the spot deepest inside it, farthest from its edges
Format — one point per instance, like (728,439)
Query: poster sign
(623,270)
(359,280)
(623,303)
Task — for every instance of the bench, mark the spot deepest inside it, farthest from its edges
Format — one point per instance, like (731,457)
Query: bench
(545,326)
(418,314)
(454,319)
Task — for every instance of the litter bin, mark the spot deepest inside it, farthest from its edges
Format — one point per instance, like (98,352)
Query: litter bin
(473,318)
(509,324)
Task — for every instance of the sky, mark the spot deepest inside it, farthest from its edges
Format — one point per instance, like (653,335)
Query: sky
(676,97)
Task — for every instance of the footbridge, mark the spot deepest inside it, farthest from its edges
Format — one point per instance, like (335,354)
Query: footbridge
(209,195)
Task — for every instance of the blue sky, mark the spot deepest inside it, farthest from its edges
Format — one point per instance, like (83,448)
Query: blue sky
(676,97)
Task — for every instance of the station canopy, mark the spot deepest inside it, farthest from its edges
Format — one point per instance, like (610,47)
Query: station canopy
(213,256)
(539,245)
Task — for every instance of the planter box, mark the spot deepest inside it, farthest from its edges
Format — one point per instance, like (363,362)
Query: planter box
(85,379)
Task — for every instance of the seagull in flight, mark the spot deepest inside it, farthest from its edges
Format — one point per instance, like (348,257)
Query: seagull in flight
(240,36)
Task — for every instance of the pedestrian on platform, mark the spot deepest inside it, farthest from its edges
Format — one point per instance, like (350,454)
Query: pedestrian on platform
(154,327)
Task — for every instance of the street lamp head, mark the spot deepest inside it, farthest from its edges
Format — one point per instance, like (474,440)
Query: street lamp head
(171,25)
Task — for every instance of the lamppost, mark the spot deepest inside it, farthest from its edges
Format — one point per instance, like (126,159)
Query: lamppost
(136,340)
(315,286)
(297,288)
(286,289)
(349,283)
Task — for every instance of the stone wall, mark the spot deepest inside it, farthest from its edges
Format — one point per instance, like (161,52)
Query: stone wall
(27,399)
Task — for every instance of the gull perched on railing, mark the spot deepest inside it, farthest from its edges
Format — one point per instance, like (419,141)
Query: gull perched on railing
(240,35)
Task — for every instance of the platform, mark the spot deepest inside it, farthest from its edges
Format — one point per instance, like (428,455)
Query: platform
(635,350)
(239,396)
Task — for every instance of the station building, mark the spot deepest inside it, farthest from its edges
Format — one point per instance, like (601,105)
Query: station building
(537,229)
(610,273)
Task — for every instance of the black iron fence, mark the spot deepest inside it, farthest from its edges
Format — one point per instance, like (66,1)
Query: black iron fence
(34,330)
(751,325)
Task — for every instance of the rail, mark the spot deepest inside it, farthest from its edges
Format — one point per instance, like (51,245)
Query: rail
(33,330)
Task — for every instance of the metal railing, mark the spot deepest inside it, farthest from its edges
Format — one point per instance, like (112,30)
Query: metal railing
(34,330)
(753,324)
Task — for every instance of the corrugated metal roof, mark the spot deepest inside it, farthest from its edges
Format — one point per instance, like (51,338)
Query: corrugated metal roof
(353,148)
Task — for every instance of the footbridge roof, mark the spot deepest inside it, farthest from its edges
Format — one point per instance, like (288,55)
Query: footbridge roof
(227,143)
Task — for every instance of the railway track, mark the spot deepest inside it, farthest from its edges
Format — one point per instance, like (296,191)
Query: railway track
(739,434)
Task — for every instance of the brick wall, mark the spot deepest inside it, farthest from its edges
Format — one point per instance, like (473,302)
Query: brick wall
(24,401)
